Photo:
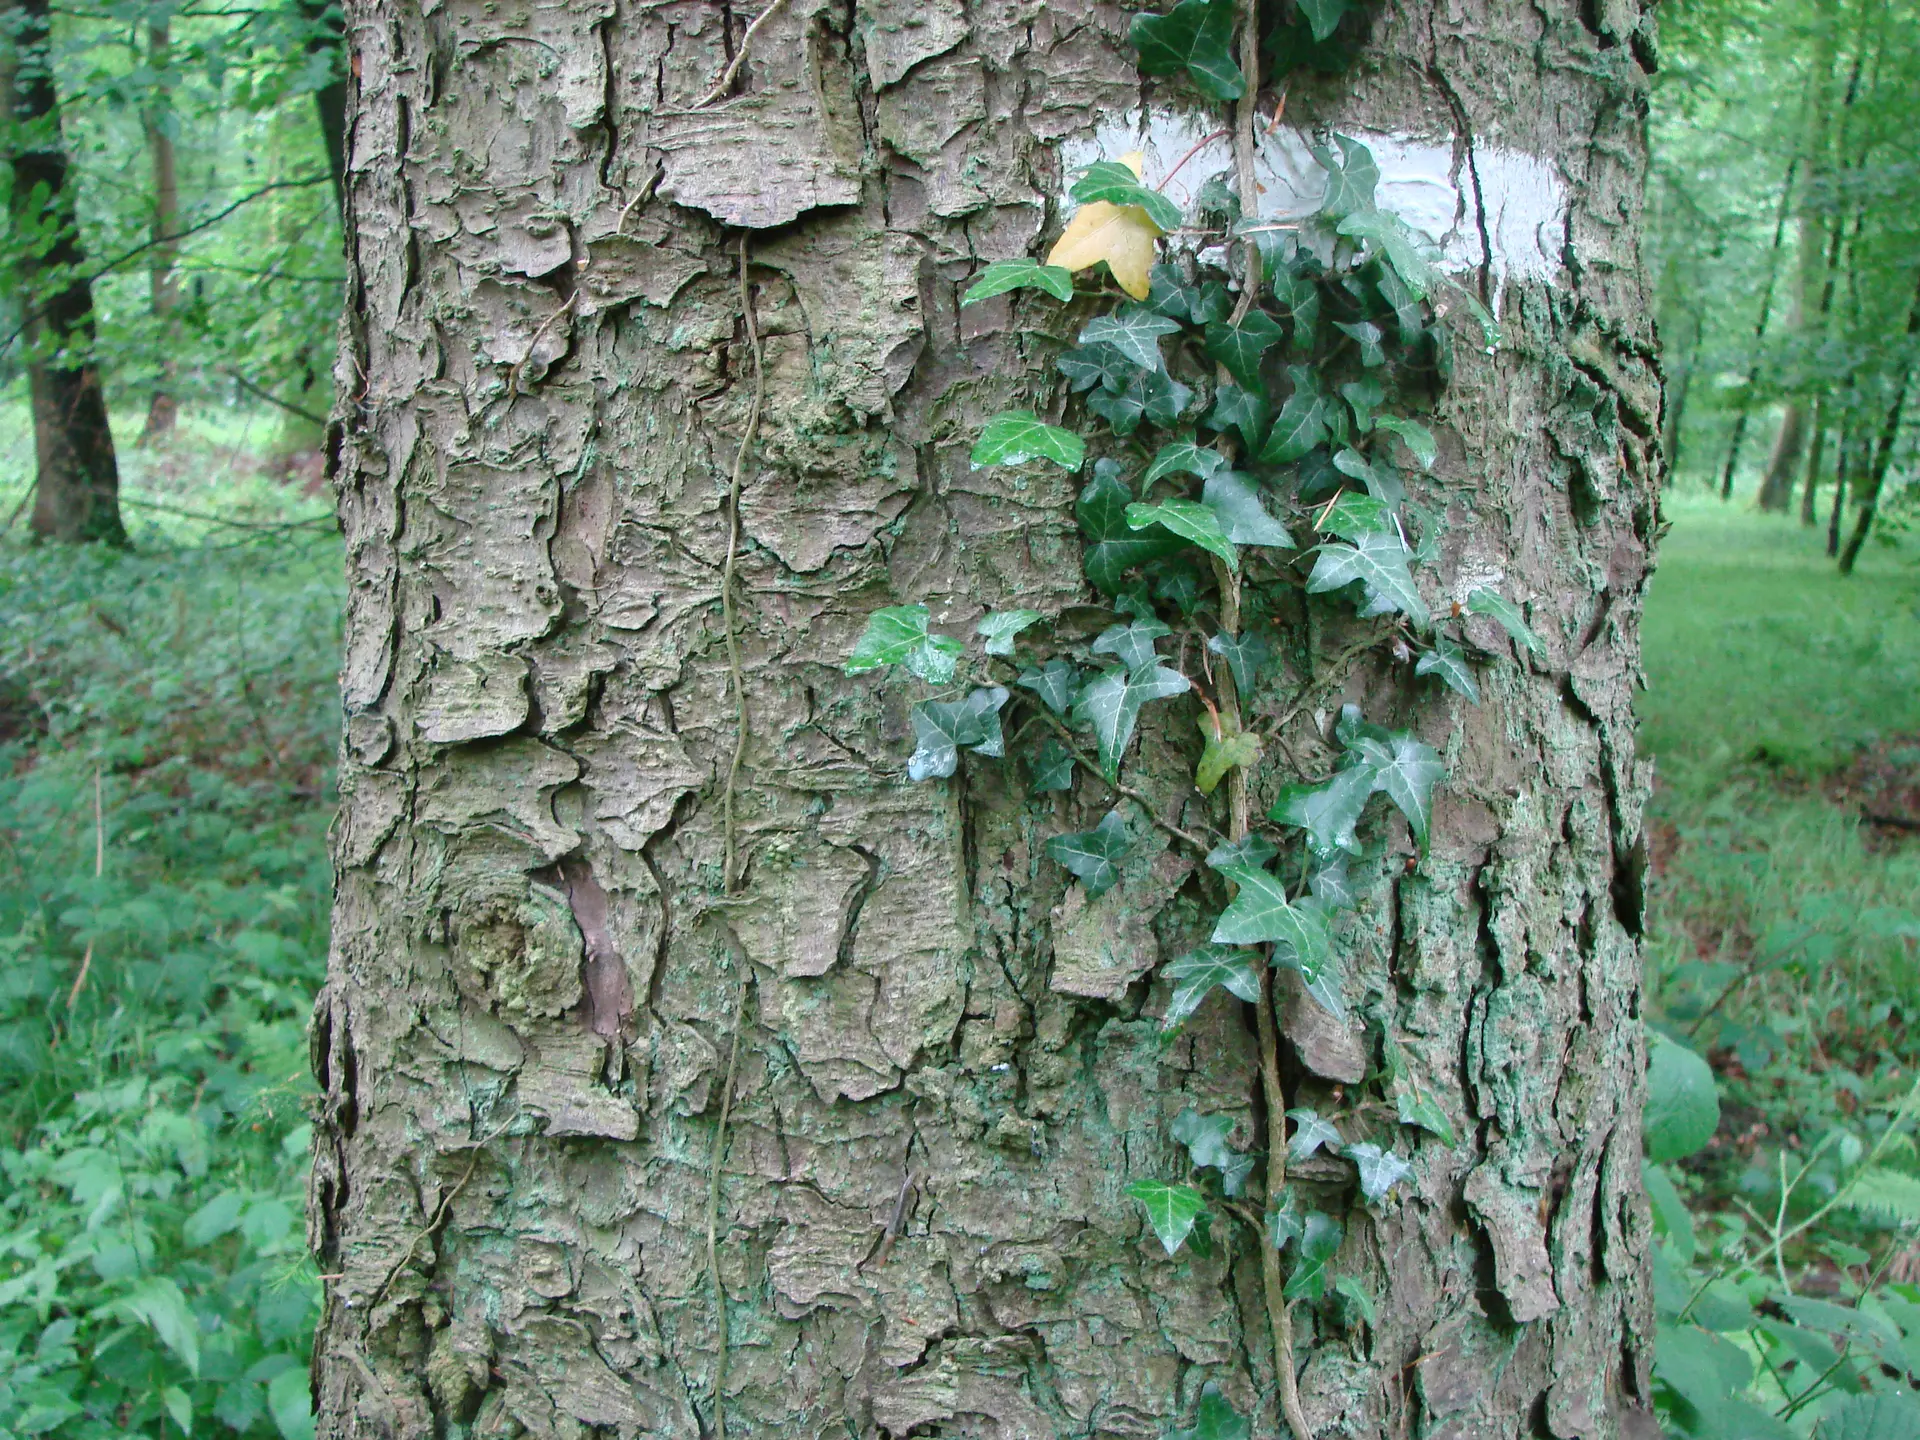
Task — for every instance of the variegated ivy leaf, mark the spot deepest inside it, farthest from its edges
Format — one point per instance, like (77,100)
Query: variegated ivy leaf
(1351,515)
(1017,436)
(1243,518)
(1332,885)
(1389,235)
(1113,547)
(1377,559)
(1223,750)
(1421,1110)
(898,635)
(1183,456)
(1240,347)
(1171,1209)
(1405,771)
(1000,626)
(1249,849)
(1052,767)
(1415,436)
(1195,36)
(1093,855)
(1110,706)
(1369,337)
(1352,177)
(1319,1242)
(1134,331)
(1195,974)
(1055,683)
(1380,1170)
(1496,605)
(1131,645)
(1312,1133)
(1447,661)
(1328,812)
(1005,275)
(1262,915)
(1205,1137)
(1191,521)
(1242,410)
(943,728)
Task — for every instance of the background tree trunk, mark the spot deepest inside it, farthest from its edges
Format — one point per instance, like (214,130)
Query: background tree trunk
(77,480)
(539,972)
(164,408)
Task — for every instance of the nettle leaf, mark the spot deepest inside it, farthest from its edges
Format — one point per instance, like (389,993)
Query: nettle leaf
(1005,275)
(1171,1209)
(1110,706)
(1871,1417)
(1320,1239)
(1119,184)
(1195,36)
(1323,15)
(1224,750)
(1415,436)
(1352,515)
(1327,812)
(1364,395)
(1134,331)
(1183,457)
(1683,1101)
(1245,655)
(1000,626)
(1239,347)
(1447,661)
(1405,771)
(1191,521)
(1093,855)
(1131,645)
(1086,366)
(943,728)
(1261,915)
(1215,1419)
(1378,561)
(1241,410)
(1114,548)
(1302,423)
(1205,1137)
(898,635)
(1352,177)
(1380,1170)
(1017,436)
(1054,682)
(1052,767)
(1389,234)
(1195,974)
(1312,1132)
(1496,605)
(1243,518)
(1369,337)
(1249,849)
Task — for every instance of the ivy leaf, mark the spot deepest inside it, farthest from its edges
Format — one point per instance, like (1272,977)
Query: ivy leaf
(1118,183)
(1380,1170)
(1297,294)
(1302,423)
(1327,812)
(1134,331)
(1405,771)
(1351,178)
(1093,855)
(1369,337)
(1332,885)
(1286,1222)
(1088,365)
(1113,547)
(1205,1137)
(943,728)
(1415,436)
(1352,515)
(1364,396)
(1121,234)
(1183,457)
(1389,234)
(1131,645)
(1423,1112)
(1378,560)
(1239,347)
(1323,15)
(1111,705)
(1000,626)
(1052,767)
(1215,1419)
(1191,521)
(1326,992)
(1243,519)
(1171,1209)
(1311,1134)
(1493,603)
(1174,297)
(1250,849)
(1352,1290)
(1150,393)
(1017,436)
(1005,275)
(1260,914)
(1196,973)
(898,635)
(1245,655)
(1224,750)
(1447,661)
(1053,682)
(1195,36)
(1241,410)
(1319,1242)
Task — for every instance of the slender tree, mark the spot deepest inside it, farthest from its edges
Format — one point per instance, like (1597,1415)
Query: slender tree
(1883,447)
(1745,409)
(77,480)
(687,1068)
(163,288)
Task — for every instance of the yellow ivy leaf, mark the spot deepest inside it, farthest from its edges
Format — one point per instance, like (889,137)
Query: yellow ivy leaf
(1121,235)
(1225,749)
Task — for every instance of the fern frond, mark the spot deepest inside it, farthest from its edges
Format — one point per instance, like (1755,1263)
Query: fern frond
(1887,1195)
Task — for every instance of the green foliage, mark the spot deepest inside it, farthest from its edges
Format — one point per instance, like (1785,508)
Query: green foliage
(1094,855)
(898,636)
(1114,183)
(1005,275)
(1018,436)
(1215,1419)
(1171,1210)
(1195,974)
(1683,1108)
(1196,36)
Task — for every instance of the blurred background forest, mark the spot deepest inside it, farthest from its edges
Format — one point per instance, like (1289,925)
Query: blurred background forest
(170,276)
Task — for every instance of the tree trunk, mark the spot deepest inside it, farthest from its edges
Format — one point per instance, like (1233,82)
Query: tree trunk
(1883,448)
(330,99)
(861,1044)
(1759,331)
(77,481)
(163,289)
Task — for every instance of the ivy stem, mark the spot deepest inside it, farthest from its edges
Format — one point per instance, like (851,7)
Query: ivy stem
(1279,1319)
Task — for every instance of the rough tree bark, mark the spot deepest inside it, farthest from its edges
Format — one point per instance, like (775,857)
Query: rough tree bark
(948,1062)
(77,479)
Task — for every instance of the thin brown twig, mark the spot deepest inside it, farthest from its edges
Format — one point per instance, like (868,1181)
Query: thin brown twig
(439,1212)
(725,82)
(1087,762)
(513,375)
